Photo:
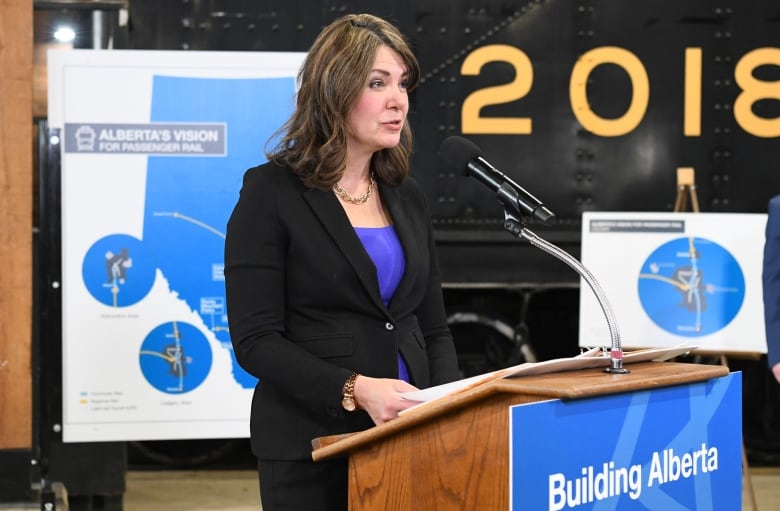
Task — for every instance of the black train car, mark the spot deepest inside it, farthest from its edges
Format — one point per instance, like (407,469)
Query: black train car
(591,105)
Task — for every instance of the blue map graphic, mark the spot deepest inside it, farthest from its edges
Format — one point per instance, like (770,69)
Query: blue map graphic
(691,287)
(118,271)
(175,358)
(189,199)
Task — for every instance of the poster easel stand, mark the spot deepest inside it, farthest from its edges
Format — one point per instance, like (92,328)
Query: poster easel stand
(686,182)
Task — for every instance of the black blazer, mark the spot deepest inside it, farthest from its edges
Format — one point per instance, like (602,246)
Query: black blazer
(304,307)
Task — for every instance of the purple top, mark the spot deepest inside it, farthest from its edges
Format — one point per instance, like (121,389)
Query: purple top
(384,248)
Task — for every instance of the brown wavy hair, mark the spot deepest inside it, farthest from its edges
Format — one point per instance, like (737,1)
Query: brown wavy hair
(333,76)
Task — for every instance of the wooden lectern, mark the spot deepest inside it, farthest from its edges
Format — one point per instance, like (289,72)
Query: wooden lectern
(453,453)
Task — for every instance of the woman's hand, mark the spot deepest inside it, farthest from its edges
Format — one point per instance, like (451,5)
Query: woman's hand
(776,372)
(381,397)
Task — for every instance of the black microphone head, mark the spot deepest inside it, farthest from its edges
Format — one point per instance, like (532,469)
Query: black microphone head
(456,152)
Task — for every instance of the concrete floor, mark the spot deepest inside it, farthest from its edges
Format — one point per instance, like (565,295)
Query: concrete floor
(765,488)
(228,490)
(237,490)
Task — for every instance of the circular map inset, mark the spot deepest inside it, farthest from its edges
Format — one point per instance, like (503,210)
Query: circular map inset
(175,357)
(691,287)
(118,271)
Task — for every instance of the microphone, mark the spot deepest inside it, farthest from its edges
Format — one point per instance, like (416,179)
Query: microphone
(461,153)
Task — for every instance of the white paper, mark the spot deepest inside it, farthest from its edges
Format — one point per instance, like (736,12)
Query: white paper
(592,358)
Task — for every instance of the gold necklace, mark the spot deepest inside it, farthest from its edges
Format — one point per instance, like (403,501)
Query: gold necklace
(355,200)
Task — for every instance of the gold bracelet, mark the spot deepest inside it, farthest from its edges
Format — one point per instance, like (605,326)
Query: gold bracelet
(348,401)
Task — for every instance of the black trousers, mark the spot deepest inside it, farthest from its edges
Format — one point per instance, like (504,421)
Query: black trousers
(303,485)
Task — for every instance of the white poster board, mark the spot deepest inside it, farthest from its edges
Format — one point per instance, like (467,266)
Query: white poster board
(154,145)
(675,279)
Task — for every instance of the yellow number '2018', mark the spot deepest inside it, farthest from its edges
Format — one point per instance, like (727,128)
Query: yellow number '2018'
(752,90)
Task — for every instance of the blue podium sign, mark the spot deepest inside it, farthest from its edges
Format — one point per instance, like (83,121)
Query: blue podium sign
(673,448)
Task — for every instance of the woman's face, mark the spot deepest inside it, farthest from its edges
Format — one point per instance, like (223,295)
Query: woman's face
(376,120)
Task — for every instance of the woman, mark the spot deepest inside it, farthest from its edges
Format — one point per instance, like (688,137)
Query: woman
(333,290)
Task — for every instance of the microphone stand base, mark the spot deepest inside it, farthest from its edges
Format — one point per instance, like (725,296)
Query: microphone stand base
(616,363)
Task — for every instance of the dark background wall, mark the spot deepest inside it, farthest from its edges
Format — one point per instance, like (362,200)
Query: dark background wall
(559,158)
(563,163)
(508,301)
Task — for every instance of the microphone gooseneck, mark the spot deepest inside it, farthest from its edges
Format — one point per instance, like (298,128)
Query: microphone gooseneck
(460,153)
